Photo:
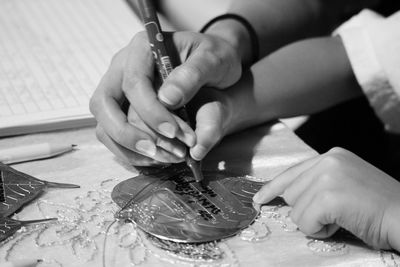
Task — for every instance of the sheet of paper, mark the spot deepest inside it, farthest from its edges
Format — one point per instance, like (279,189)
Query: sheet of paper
(52,56)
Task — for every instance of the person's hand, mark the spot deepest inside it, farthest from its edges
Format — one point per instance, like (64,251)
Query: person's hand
(149,134)
(339,189)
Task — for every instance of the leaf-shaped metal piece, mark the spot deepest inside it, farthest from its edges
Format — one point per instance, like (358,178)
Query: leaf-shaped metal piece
(9,226)
(171,205)
(19,188)
(243,189)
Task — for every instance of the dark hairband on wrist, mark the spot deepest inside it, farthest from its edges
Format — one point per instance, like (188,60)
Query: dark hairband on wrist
(252,33)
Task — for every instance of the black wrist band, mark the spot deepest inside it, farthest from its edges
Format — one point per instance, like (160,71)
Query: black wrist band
(252,33)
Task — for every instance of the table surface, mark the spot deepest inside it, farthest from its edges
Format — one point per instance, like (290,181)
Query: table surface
(77,238)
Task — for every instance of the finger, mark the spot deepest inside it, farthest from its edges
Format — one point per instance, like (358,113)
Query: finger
(105,105)
(170,145)
(278,185)
(305,196)
(123,153)
(208,130)
(138,88)
(136,158)
(326,231)
(185,132)
(319,214)
(299,186)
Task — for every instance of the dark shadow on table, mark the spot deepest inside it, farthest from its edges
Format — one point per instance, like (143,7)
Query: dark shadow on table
(353,125)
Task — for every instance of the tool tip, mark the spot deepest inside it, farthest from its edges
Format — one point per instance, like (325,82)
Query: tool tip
(196,169)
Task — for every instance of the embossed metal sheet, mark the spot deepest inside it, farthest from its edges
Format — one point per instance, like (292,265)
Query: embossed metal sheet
(172,206)
(18,189)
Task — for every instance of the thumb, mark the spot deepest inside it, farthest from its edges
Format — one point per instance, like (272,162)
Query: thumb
(185,81)
(208,130)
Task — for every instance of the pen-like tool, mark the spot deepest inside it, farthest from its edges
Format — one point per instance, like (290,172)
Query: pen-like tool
(33,152)
(164,66)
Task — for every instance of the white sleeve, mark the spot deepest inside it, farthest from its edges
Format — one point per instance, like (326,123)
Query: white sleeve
(373,47)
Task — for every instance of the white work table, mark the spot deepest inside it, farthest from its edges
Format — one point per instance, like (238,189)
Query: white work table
(77,238)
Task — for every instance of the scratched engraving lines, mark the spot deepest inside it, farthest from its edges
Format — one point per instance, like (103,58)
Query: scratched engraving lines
(6,226)
(171,205)
(151,212)
(17,193)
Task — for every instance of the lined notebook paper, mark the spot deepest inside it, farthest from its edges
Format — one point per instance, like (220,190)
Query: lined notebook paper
(53,53)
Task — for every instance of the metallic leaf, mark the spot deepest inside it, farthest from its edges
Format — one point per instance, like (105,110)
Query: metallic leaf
(172,206)
(9,226)
(19,189)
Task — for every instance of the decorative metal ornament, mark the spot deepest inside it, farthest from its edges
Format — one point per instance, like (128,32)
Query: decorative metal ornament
(18,189)
(9,226)
(172,206)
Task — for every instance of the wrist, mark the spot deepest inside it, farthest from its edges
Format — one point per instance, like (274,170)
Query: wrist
(243,107)
(236,34)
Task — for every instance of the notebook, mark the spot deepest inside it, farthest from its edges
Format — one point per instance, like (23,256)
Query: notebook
(53,53)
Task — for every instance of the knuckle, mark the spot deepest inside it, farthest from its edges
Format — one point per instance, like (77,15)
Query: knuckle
(337,150)
(93,104)
(213,59)
(120,135)
(326,179)
(151,112)
(139,38)
(117,56)
(287,196)
(190,72)
(208,43)
(331,162)
(100,134)
(131,81)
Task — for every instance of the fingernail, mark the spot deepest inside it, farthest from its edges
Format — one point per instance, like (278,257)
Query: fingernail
(189,139)
(257,198)
(167,129)
(170,95)
(198,152)
(147,147)
(179,152)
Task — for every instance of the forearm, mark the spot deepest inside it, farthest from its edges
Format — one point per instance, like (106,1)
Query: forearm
(301,78)
(278,22)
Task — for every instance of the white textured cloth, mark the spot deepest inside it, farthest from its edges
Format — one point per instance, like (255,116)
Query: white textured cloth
(77,239)
(372,43)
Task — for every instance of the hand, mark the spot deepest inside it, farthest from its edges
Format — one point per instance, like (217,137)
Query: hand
(207,60)
(339,189)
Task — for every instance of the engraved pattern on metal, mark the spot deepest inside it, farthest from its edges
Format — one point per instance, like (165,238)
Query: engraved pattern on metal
(172,206)
(10,226)
(20,189)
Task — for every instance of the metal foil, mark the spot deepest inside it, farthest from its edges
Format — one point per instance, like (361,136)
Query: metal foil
(172,206)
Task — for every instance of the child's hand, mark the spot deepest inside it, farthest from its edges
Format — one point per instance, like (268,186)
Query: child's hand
(339,189)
